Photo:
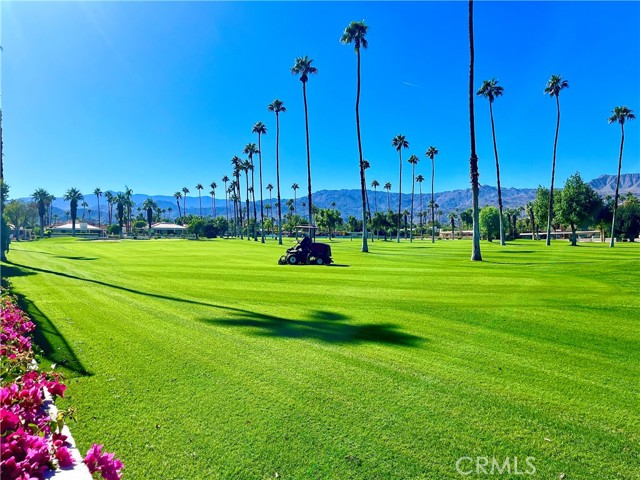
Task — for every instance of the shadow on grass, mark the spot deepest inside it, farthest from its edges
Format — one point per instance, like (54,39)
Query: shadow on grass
(321,325)
(329,327)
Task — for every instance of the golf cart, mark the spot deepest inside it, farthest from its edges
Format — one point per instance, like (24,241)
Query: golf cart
(307,251)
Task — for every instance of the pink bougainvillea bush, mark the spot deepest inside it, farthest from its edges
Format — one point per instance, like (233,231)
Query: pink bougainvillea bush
(30,445)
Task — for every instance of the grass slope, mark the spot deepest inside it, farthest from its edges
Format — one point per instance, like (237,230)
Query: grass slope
(207,360)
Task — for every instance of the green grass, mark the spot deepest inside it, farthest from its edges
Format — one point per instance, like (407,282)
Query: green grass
(208,360)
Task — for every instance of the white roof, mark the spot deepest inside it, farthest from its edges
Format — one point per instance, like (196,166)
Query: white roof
(167,226)
(68,226)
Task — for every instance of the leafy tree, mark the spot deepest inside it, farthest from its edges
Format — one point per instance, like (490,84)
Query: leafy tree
(355,33)
(196,227)
(554,86)
(629,216)
(260,129)
(620,115)
(41,196)
(578,204)
(490,222)
(490,90)
(5,239)
(278,107)
(20,214)
(303,67)
(399,142)
(466,216)
(72,196)
(328,219)
(476,255)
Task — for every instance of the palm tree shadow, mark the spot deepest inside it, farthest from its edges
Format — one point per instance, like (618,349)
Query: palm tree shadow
(325,326)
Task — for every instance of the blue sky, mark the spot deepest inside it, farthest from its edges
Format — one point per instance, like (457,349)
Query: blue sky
(159,96)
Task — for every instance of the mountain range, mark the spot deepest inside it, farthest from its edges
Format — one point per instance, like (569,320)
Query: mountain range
(348,202)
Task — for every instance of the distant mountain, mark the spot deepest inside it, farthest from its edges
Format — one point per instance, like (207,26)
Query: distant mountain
(349,202)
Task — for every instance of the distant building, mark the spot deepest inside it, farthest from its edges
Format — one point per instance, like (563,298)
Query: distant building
(169,229)
(82,230)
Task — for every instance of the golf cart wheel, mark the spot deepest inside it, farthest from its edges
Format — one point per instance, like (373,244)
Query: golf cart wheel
(292,260)
(282,260)
(319,261)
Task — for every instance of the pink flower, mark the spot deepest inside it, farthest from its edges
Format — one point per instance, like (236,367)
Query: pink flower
(8,420)
(105,463)
(64,457)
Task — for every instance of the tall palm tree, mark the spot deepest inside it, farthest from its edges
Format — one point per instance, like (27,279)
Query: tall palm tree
(250,149)
(490,90)
(213,186)
(270,188)
(178,196)
(149,205)
(199,187)
(169,210)
(238,166)
(476,256)
(387,187)
(225,179)
(98,193)
(413,160)
(452,218)
(303,67)
(128,193)
(247,166)
(110,198)
(355,33)
(375,184)
(295,188)
(185,191)
(431,153)
(84,206)
(620,115)
(72,196)
(553,88)
(399,142)
(260,129)
(278,107)
(40,196)
(420,179)
(121,203)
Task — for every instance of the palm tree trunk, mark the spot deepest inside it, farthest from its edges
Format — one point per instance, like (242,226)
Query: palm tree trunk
(553,174)
(261,201)
(495,151)
(213,207)
(306,125)
(278,178)
(226,202)
(248,208)
(433,205)
(253,196)
(615,198)
(399,198)
(184,205)
(421,212)
(200,196)
(413,186)
(389,200)
(98,197)
(473,160)
(179,212)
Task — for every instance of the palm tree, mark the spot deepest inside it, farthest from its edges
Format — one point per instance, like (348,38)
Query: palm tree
(225,179)
(199,187)
(178,196)
(121,201)
(620,115)
(553,88)
(72,196)
(270,188)
(476,256)
(98,193)
(431,153)
(295,188)
(84,206)
(238,165)
(387,187)
(247,166)
(169,210)
(185,191)
(110,199)
(490,90)
(375,184)
(127,193)
(355,33)
(40,196)
(413,160)
(260,129)
(452,219)
(278,107)
(49,205)
(420,179)
(399,142)
(213,186)
(149,205)
(303,67)
(250,149)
